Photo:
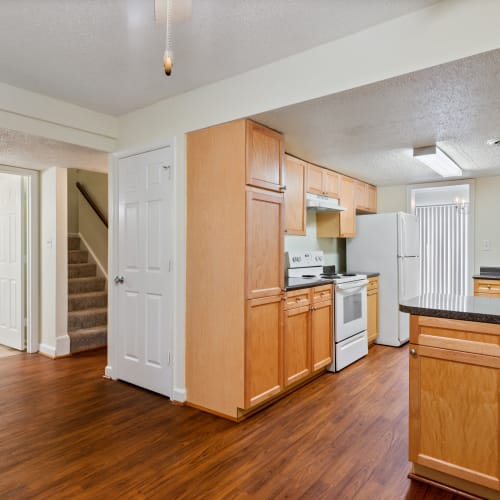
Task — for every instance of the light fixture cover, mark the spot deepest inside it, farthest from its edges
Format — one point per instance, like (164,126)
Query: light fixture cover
(439,161)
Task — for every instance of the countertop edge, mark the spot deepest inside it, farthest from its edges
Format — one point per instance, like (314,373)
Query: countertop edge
(460,315)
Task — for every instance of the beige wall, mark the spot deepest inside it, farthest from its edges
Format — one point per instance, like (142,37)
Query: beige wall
(81,217)
(486,212)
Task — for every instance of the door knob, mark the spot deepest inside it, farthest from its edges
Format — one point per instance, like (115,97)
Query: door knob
(119,280)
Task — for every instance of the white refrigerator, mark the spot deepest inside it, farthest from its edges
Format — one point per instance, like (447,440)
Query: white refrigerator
(389,244)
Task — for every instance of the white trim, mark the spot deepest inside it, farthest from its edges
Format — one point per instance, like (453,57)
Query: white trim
(179,395)
(94,256)
(33,249)
(48,350)
(63,345)
(113,255)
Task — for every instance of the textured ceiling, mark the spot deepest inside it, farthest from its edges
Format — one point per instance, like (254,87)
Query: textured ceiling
(36,153)
(106,55)
(369,132)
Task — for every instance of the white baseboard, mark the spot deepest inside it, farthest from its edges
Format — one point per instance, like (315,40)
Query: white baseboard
(63,345)
(47,350)
(96,260)
(179,395)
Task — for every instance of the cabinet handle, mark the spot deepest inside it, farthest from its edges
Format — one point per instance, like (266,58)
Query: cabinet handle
(286,230)
(489,287)
(413,352)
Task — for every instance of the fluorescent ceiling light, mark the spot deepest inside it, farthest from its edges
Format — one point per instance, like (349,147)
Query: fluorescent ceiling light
(440,162)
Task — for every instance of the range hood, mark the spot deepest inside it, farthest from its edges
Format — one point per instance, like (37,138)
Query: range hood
(323,203)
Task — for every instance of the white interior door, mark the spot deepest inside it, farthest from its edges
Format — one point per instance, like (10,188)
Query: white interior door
(11,262)
(144,298)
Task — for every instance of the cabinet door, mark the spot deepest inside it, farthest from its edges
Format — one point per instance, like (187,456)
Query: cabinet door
(295,208)
(322,334)
(331,183)
(264,157)
(263,370)
(487,288)
(372,198)
(264,243)
(372,315)
(454,413)
(296,344)
(314,179)
(361,195)
(348,216)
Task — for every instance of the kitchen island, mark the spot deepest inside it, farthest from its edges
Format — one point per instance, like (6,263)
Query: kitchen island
(454,425)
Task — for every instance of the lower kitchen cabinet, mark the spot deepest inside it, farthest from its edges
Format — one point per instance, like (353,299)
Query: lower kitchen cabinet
(263,370)
(307,332)
(372,309)
(455,402)
(486,287)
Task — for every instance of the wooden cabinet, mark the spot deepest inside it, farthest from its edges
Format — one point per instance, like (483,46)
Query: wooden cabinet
(295,207)
(339,224)
(486,287)
(234,268)
(455,401)
(372,309)
(264,243)
(322,333)
(263,370)
(322,181)
(264,157)
(308,330)
(366,197)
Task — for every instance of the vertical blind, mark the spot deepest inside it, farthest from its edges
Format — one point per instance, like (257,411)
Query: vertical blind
(444,263)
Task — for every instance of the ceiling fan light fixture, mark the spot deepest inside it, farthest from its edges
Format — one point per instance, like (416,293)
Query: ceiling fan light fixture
(439,161)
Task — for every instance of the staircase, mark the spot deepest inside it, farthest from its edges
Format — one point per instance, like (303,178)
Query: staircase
(87,300)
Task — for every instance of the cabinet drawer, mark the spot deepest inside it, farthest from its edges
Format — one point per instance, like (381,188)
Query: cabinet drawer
(456,335)
(487,287)
(297,298)
(372,284)
(321,293)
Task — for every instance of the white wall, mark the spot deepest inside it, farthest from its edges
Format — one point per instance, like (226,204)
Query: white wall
(486,211)
(54,339)
(429,37)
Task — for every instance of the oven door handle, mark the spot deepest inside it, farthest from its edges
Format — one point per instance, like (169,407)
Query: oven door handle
(353,285)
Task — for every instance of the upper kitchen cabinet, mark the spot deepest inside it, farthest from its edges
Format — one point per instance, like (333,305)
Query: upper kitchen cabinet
(264,157)
(340,224)
(295,208)
(366,197)
(322,181)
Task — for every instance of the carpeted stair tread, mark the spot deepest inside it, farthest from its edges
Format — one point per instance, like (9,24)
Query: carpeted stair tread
(84,270)
(88,338)
(87,318)
(91,284)
(86,300)
(78,256)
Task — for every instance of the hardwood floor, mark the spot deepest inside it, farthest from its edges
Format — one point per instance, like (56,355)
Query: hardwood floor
(67,432)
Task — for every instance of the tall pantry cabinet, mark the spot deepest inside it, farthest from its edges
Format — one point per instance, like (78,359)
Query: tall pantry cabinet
(234,276)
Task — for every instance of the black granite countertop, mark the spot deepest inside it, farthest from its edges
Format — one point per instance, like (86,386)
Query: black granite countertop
(296,283)
(490,273)
(467,308)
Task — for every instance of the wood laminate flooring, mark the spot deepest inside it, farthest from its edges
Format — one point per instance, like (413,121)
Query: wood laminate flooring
(66,432)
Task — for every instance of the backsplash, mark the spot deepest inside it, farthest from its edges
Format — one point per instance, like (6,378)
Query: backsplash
(333,248)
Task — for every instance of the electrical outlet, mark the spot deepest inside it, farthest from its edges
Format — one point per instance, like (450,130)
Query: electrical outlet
(486,245)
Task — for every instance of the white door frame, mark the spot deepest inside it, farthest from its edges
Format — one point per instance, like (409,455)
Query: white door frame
(113,249)
(32,257)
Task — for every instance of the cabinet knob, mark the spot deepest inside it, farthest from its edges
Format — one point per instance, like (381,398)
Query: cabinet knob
(413,352)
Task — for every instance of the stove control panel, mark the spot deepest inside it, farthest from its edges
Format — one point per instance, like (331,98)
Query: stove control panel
(304,259)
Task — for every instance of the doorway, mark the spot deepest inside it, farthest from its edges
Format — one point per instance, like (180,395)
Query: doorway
(19,247)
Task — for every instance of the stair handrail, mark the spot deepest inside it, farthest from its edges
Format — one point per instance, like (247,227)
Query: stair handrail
(92,203)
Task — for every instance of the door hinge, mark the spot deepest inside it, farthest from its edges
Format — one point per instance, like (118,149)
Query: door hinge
(168,168)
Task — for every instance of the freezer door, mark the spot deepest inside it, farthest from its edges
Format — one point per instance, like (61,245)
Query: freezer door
(409,277)
(408,235)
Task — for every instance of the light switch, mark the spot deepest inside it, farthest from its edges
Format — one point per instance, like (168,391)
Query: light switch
(486,245)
